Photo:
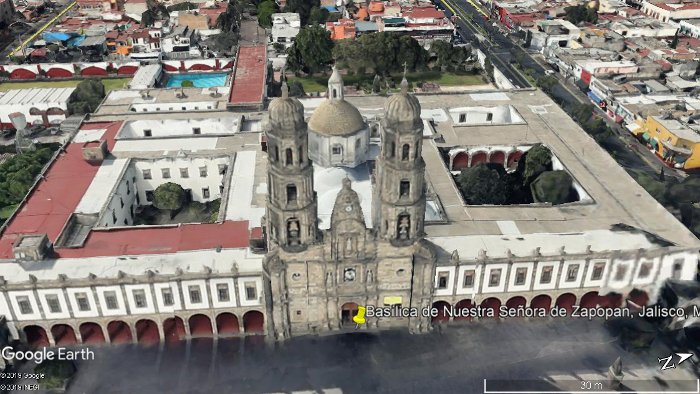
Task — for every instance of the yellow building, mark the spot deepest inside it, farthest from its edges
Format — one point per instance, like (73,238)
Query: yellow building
(675,142)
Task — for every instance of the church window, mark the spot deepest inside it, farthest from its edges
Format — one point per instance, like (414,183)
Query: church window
(301,154)
(296,276)
(489,117)
(291,194)
(645,270)
(417,149)
(621,272)
(495,277)
(404,188)
(468,280)
(462,118)
(277,154)
(546,276)
(357,144)
(293,234)
(404,152)
(520,275)
(572,273)
(597,271)
(442,280)
(335,93)
(288,156)
(403,226)
(392,152)
(337,149)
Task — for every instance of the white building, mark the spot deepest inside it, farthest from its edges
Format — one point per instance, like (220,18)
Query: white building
(285,27)
(43,106)
(180,43)
(666,12)
(560,33)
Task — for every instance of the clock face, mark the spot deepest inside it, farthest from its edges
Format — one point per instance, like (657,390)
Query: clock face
(349,275)
(348,208)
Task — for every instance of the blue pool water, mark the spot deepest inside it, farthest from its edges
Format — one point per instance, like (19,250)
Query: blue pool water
(207,80)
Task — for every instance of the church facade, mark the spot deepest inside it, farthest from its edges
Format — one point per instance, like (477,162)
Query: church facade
(317,278)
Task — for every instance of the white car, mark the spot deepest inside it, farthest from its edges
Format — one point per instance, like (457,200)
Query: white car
(549,72)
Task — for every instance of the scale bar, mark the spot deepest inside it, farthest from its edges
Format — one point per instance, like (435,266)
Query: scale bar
(582,386)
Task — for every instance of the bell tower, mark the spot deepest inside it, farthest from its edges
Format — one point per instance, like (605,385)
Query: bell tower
(291,200)
(399,209)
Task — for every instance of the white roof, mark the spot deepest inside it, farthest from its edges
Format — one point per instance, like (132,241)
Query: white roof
(468,246)
(36,96)
(146,76)
(240,197)
(329,181)
(101,186)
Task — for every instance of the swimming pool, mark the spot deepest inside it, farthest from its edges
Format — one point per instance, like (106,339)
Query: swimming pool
(201,80)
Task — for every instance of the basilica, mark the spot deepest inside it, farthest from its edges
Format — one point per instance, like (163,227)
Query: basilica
(317,278)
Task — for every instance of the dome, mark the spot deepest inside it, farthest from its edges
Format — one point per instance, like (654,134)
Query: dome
(336,118)
(402,108)
(286,113)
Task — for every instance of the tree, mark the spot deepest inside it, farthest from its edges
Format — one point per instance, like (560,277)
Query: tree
(537,160)
(674,42)
(302,7)
(296,89)
(182,7)
(547,83)
(187,83)
(488,69)
(318,16)
(295,62)
(382,53)
(483,184)
(147,18)
(223,42)
(554,187)
(314,47)
(170,197)
(17,175)
(230,20)
(86,97)
(376,84)
(265,11)
(687,191)
(582,112)
(581,13)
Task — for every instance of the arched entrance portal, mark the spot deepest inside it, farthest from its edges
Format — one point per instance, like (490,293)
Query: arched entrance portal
(541,301)
(36,336)
(91,333)
(63,335)
(478,158)
(173,329)
(589,300)
(442,315)
(566,301)
(347,312)
(491,306)
(611,300)
(638,297)
(462,309)
(516,302)
(498,157)
(254,321)
(460,161)
(119,332)
(200,326)
(147,332)
(227,324)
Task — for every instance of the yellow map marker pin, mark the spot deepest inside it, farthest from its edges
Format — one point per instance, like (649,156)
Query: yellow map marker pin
(360,317)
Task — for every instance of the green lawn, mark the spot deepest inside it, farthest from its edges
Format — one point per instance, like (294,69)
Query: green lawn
(110,84)
(319,83)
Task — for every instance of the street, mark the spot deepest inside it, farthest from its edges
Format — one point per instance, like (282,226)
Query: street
(453,359)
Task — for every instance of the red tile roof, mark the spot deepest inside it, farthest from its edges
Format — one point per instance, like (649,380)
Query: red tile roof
(248,85)
(51,203)
(424,12)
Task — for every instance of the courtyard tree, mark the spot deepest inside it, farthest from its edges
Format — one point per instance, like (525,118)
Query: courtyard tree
(318,15)
(312,50)
(86,97)
(17,175)
(554,187)
(483,184)
(537,160)
(230,20)
(581,13)
(265,11)
(170,197)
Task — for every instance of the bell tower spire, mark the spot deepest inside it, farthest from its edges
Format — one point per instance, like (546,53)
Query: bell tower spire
(335,85)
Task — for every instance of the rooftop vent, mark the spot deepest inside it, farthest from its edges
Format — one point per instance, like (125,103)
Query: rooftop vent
(95,151)
(32,247)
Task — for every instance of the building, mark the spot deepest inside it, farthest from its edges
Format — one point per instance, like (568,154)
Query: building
(560,33)
(342,29)
(180,43)
(299,244)
(40,106)
(135,7)
(665,11)
(285,27)
(677,143)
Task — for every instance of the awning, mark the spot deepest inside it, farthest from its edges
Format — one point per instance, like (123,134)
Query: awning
(634,128)
(594,97)
(653,142)
(646,136)
(677,149)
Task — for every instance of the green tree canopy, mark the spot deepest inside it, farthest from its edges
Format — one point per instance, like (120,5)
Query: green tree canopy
(537,160)
(382,53)
(318,15)
(86,97)
(313,47)
(296,89)
(302,7)
(169,196)
(547,83)
(483,184)
(581,13)
(449,57)
(230,19)
(687,191)
(17,175)
(182,6)
(553,187)
(265,11)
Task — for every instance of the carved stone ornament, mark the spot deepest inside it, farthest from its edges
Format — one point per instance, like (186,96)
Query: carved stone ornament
(455,256)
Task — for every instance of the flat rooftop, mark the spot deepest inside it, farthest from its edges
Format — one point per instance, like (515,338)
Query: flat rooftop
(248,86)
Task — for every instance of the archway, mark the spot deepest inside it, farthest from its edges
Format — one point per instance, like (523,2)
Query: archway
(91,333)
(516,302)
(460,161)
(611,300)
(514,158)
(36,336)
(566,301)
(147,332)
(254,321)
(478,158)
(347,312)
(119,332)
(442,315)
(639,297)
(463,315)
(200,326)
(173,329)
(541,301)
(498,157)
(227,324)
(63,335)
(589,300)
(491,306)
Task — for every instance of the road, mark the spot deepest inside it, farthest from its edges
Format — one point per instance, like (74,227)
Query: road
(455,359)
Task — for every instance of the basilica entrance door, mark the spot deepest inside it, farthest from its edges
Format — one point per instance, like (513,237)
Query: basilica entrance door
(348,311)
